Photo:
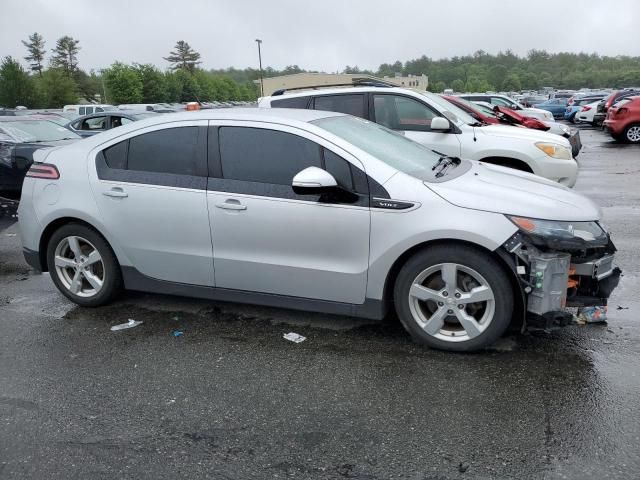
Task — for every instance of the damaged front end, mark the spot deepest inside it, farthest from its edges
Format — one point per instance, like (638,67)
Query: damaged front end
(560,265)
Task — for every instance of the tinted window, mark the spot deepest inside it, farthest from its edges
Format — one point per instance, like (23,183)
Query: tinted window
(266,156)
(295,102)
(402,113)
(81,110)
(172,150)
(98,109)
(350,104)
(116,155)
(339,168)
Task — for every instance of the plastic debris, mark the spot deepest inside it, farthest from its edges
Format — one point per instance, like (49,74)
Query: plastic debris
(294,337)
(622,308)
(123,326)
(10,234)
(591,315)
(178,333)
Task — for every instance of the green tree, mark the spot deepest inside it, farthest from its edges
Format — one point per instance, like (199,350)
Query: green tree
(512,83)
(55,89)
(190,91)
(496,75)
(154,85)
(457,85)
(16,87)
(123,84)
(183,57)
(35,47)
(437,87)
(65,55)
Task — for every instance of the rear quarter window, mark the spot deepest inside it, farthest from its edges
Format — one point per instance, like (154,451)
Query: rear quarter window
(295,102)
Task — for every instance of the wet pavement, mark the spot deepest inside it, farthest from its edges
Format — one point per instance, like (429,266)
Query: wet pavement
(231,399)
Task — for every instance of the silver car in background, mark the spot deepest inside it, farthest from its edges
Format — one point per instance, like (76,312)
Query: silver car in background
(316,211)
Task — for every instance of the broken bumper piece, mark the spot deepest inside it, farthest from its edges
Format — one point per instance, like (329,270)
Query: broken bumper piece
(554,278)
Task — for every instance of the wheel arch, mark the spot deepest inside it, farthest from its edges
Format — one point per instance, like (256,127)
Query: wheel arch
(509,162)
(51,228)
(500,256)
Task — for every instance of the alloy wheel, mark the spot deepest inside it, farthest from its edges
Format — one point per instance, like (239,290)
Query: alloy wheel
(633,134)
(79,266)
(452,302)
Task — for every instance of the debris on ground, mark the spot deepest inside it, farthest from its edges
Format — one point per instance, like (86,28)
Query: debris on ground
(10,234)
(591,315)
(178,333)
(622,308)
(463,467)
(294,337)
(123,326)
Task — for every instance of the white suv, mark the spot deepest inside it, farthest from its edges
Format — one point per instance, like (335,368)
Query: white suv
(443,127)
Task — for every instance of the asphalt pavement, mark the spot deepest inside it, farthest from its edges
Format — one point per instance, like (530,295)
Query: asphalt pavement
(229,398)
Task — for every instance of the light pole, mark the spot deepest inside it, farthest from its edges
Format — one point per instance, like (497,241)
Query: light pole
(259,42)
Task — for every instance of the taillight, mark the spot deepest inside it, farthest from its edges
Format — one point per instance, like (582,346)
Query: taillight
(586,108)
(43,170)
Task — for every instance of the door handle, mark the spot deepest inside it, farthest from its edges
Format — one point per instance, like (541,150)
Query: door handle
(231,204)
(116,193)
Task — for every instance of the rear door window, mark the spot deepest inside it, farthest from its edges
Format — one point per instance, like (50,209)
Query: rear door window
(351,104)
(171,150)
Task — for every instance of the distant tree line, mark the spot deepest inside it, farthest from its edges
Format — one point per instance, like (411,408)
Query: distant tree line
(507,71)
(62,81)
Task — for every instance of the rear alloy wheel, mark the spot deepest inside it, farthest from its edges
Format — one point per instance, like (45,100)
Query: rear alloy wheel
(82,265)
(632,133)
(453,298)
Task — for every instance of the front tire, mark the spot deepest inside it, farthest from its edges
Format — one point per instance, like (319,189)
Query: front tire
(632,133)
(453,297)
(83,266)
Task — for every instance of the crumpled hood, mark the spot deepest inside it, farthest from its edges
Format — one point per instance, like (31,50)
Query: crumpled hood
(504,190)
(527,134)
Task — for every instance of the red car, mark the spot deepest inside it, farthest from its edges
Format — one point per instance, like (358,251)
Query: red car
(499,114)
(623,120)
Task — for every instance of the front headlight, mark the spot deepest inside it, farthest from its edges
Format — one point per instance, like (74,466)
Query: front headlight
(554,150)
(587,231)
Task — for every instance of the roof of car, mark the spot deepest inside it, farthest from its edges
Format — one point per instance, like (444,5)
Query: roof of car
(23,118)
(320,90)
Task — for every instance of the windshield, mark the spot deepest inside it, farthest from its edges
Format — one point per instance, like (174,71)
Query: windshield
(453,113)
(384,144)
(36,131)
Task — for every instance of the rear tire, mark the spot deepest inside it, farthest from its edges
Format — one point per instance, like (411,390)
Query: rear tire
(632,133)
(453,297)
(83,266)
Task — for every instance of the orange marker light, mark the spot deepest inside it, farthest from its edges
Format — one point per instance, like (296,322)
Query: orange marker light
(524,223)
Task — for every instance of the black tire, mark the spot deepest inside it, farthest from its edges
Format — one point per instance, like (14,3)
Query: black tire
(112,282)
(468,257)
(627,133)
(572,118)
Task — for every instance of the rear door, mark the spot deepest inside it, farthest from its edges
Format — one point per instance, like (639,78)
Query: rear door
(151,191)
(413,118)
(269,239)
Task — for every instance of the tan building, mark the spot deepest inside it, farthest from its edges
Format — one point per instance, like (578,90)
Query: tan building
(301,80)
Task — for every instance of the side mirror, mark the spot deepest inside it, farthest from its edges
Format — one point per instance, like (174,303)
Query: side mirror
(440,123)
(313,180)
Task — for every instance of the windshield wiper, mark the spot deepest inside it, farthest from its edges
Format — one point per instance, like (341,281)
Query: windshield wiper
(444,163)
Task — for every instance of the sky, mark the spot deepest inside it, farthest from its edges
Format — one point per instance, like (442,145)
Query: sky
(324,35)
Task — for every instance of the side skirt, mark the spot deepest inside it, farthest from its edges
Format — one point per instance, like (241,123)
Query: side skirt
(134,280)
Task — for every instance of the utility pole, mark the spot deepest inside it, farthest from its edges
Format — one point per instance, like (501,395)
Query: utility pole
(259,42)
